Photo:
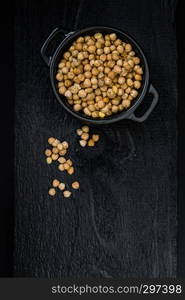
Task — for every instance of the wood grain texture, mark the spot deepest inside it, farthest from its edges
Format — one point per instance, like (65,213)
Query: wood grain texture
(123,220)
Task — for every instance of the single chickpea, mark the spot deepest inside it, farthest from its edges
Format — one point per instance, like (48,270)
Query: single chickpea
(113,36)
(91,49)
(65,145)
(95,137)
(101,115)
(55,183)
(49,160)
(77,107)
(85,136)
(136,60)
(54,156)
(82,94)
(88,74)
(134,93)
(94,80)
(70,170)
(83,143)
(128,47)
(67,194)
(62,186)
(61,160)
(79,132)
(62,90)
(137,84)
(95,71)
(55,150)
(80,39)
(130,82)
(75,185)
(63,152)
(48,152)
(87,111)
(111,74)
(91,143)
(138,77)
(138,70)
(55,143)
(65,70)
(68,94)
(59,77)
(99,51)
(69,162)
(120,49)
(52,192)
(126,103)
(61,167)
(117,69)
(98,35)
(114,109)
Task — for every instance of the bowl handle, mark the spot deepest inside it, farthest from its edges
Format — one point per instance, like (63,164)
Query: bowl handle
(155,94)
(44,47)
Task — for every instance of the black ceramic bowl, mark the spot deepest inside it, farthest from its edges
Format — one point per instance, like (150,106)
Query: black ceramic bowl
(66,41)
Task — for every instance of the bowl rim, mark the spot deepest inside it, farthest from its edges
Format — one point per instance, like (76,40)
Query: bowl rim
(115,117)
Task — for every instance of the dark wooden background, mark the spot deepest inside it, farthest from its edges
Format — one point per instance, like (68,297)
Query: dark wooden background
(123,221)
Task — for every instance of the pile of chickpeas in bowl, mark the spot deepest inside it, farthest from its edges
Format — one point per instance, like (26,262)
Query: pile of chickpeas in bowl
(100,75)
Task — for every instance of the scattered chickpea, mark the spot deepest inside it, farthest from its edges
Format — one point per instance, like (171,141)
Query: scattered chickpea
(75,185)
(61,167)
(55,183)
(79,132)
(91,143)
(51,140)
(83,143)
(61,160)
(70,170)
(85,128)
(52,192)
(63,152)
(62,186)
(54,156)
(48,152)
(95,137)
(67,194)
(55,150)
(85,136)
(49,160)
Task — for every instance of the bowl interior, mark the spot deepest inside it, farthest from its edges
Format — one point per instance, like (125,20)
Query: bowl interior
(64,46)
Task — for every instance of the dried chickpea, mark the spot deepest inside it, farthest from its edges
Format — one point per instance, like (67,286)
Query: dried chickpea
(61,167)
(95,137)
(52,192)
(55,183)
(48,152)
(83,143)
(75,185)
(70,170)
(62,186)
(49,160)
(61,160)
(54,156)
(51,140)
(91,143)
(55,150)
(65,145)
(67,194)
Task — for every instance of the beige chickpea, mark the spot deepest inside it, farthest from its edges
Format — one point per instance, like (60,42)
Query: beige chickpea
(61,160)
(54,156)
(82,94)
(83,143)
(62,186)
(91,49)
(130,82)
(87,111)
(117,69)
(137,84)
(52,192)
(134,93)
(49,160)
(77,107)
(113,36)
(67,194)
(62,90)
(48,152)
(55,183)
(128,47)
(55,150)
(75,185)
(70,170)
(126,103)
